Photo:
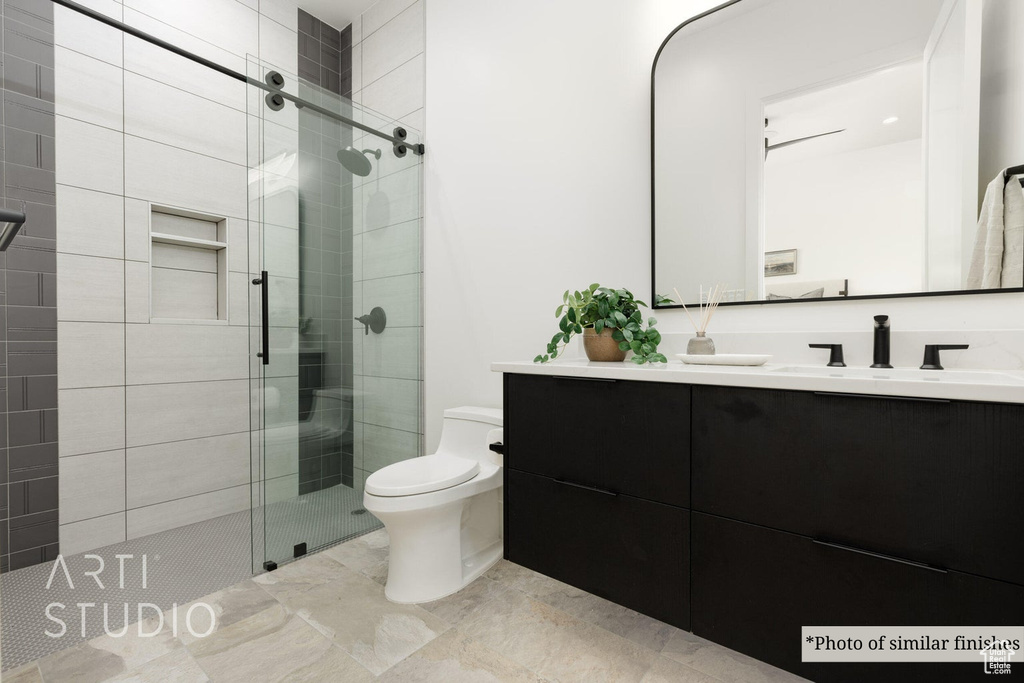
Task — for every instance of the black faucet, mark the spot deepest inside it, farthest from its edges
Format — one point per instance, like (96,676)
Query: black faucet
(835,357)
(881,342)
(931,354)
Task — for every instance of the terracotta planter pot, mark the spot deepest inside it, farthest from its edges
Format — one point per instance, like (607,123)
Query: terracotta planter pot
(601,347)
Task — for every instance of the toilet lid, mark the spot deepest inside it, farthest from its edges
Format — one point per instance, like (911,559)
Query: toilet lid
(421,475)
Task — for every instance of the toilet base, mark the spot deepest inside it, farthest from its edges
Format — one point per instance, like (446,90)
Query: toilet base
(485,560)
(439,550)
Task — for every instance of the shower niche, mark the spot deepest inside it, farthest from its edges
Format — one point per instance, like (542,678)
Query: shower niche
(188,266)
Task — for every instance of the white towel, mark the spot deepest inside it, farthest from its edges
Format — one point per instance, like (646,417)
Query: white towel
(998,257)
(1013,234)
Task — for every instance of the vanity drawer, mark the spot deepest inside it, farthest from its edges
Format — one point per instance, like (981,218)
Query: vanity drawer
(754,588)
(627,437)
(630,551)
(938,482)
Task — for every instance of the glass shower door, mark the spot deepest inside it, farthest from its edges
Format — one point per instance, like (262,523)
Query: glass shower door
(338,213)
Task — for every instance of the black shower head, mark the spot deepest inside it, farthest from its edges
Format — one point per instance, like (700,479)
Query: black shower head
(356,161)
(11,221)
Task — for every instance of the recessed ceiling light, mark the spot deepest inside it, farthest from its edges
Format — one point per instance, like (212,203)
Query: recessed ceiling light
(890,120)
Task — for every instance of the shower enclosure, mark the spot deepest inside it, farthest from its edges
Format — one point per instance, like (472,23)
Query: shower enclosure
(237,313)
(339,293)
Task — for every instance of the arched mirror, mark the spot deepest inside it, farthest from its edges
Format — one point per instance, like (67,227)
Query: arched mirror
(828,149)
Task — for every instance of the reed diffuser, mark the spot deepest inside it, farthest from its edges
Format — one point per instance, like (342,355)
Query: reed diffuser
(702,345)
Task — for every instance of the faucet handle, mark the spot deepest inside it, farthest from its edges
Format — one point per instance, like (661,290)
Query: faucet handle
(835,359)
(931,354)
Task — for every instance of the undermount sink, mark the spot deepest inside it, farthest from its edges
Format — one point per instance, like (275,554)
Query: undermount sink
(907,374)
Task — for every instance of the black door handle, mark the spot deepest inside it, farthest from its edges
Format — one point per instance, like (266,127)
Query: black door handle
(594,489)
(263,282)
(880,556)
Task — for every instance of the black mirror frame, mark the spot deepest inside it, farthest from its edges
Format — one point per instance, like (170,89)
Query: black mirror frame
(654,293)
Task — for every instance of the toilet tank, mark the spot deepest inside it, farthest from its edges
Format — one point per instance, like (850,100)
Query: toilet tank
(465,429)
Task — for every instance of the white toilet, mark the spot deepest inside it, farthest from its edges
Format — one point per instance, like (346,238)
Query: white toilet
(442,511)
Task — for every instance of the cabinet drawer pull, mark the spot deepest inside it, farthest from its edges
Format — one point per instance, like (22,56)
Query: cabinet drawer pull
(586,488)
(884,398)
(890,558)
(584,379)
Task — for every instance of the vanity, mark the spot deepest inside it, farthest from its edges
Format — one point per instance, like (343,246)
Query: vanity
(744,503)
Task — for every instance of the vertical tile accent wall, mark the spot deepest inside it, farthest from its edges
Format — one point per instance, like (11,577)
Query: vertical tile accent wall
(325,256)
(28,432)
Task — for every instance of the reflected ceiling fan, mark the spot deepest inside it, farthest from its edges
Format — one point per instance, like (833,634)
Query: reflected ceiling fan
(787,143)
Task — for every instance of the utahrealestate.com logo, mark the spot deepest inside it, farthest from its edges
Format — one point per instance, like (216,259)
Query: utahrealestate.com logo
(997,655)
(149,618)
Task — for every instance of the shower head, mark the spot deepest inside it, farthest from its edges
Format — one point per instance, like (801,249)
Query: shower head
(11,222)
(356,161)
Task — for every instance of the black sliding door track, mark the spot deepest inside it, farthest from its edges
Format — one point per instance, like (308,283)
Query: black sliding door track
(230,73)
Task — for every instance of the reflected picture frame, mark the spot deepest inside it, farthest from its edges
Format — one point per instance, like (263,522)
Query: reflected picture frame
(781,262)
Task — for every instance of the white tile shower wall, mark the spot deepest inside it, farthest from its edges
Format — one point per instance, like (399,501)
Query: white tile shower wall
(388,77)
(156,417)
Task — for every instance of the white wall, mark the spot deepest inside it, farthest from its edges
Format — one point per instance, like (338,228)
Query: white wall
(1002,89)
(537,179)
(877,245)
(536,174)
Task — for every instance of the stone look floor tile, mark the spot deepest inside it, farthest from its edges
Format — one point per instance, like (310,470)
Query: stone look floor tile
(367,555)
(555,645)
(107,656)
(231,606)
(722,663)
(667,670)
(325,619)
(300,576)
(274,652)
(335,665)
(23,674)
(176,667)
(353,612)
(455,607)
(455,657)
(620,620)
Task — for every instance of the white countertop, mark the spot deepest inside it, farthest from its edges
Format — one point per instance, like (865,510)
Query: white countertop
(965,385)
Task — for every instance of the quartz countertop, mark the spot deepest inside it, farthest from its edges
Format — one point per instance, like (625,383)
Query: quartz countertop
(965,385)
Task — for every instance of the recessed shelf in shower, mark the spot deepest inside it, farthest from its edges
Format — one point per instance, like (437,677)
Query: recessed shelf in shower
(188,266)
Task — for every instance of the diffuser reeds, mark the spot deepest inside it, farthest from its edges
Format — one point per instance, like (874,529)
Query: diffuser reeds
(706,309)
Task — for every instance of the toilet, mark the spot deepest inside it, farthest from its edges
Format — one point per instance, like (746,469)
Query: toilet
(442,512)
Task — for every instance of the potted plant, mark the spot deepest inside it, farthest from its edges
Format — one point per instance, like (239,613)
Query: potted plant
(611,324)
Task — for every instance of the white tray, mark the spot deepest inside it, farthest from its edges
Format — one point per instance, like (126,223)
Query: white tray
(724,359)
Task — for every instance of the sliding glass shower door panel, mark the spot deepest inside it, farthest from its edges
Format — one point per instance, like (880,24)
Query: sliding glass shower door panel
(307,180)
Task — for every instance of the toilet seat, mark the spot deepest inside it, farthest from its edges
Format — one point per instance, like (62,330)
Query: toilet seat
(421,475)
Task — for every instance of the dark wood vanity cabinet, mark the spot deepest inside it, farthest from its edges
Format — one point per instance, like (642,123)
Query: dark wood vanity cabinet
(807,509)
(936,482)
(597,486)
(626,437)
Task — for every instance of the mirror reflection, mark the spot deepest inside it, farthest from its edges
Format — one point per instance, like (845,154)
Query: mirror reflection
(844,149)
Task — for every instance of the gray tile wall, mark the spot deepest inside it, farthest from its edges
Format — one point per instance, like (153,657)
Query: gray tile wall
(325,253)
(28,393)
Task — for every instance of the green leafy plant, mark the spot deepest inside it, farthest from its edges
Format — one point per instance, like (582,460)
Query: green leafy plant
(602,308)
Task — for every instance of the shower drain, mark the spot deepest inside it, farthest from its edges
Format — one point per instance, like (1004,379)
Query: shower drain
(360,511)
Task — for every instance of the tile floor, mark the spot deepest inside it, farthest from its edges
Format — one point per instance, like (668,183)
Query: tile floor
(325,618)
(179,569)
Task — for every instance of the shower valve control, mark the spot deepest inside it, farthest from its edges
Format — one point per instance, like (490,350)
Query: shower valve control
(375,320)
